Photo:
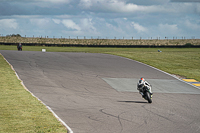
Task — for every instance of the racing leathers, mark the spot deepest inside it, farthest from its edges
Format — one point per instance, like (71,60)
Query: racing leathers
(141,84)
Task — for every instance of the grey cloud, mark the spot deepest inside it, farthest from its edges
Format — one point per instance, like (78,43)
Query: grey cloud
(104,8)
(34,7)
(148,2)
(185,0)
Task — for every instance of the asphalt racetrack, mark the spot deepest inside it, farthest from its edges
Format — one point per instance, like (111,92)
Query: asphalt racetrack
(96,93)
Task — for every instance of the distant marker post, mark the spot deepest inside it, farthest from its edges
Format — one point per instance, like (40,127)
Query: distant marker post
(43,50)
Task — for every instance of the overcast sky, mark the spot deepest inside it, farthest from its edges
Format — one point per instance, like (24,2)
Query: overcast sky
(101,18)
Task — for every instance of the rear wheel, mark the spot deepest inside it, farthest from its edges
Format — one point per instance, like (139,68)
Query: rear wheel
(148,97)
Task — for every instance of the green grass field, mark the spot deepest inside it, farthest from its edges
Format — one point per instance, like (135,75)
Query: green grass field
(20,112)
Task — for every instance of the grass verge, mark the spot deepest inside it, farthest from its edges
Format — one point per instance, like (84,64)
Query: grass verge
(20,111)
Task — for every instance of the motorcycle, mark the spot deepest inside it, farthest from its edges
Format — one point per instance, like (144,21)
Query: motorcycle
(19,48)
(147,94)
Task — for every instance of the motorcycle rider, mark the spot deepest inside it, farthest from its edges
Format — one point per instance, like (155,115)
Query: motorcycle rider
(141,84)
(19,47)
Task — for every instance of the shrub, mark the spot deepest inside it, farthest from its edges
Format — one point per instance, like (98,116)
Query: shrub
(188,45)
(13,35)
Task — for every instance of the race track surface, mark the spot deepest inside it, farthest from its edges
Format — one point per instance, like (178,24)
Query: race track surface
(96,93)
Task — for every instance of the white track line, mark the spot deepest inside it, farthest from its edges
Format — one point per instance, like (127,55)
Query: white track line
(68,128)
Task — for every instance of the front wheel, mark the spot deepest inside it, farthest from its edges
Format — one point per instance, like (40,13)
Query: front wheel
(148,95)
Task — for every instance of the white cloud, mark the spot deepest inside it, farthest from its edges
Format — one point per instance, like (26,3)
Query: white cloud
(58,1)
(26,16)
(39,22)
(138,27)
(57,21)
(55,1)
(131,8)
(113,30)
(8,23)
(192,26)
(85,4)
(198,8)
(87,24)
(124,7)
(168,28)
(47,3)
(70,24)
(64,16)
